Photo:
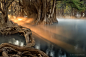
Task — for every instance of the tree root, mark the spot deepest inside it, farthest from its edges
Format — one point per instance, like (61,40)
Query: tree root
(11,50)
(18,29)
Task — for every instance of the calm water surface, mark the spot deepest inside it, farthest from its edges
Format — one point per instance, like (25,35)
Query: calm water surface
(67,38)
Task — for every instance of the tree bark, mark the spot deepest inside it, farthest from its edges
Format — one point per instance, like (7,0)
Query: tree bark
(44,5)
(42,8)
(4,9)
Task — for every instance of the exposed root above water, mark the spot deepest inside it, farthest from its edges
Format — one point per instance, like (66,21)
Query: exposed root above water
(18,29)
(10,50)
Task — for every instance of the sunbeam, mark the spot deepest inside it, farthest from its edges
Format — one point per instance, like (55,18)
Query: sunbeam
(48,33)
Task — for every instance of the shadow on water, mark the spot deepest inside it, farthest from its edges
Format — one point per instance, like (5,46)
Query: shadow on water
(63,39)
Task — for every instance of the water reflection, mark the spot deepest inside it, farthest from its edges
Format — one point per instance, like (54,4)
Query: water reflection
(68,34)
(37,46)
(16,39)
(49,48)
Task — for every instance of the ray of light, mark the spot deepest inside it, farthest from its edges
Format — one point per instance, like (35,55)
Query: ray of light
(48,36)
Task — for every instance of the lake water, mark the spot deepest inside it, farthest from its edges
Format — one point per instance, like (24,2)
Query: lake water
(67,38)
(16,39)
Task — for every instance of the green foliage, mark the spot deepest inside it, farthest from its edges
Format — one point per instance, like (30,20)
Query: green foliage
(60,4)
(67,10)
(77,4)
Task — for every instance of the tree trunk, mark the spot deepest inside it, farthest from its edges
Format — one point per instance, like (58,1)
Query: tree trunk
(44,8)
(39,15)
(4,13)
(5,18)
(41,8)
(53,8)
(85,13)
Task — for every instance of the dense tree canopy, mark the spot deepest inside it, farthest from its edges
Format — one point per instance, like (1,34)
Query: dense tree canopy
(71,7)
(78,4)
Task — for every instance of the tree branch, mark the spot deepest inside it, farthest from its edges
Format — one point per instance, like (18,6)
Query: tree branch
(2,11)
(9,3)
